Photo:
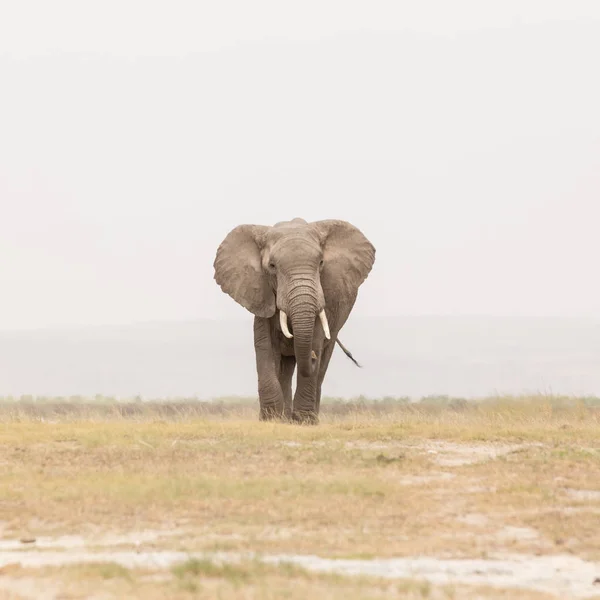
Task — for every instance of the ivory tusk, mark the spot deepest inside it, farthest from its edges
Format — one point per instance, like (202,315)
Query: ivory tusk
(325,324)
(284,324)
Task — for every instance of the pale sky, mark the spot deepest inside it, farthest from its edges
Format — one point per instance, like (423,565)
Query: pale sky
(463,138)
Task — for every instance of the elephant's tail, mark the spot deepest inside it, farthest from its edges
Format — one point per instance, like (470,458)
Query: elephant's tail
(347,352)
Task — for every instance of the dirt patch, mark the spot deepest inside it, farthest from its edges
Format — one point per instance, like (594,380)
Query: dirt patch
(431,477)
(450,454)
(446,454)
(72,542)
(584,495)
(26,588)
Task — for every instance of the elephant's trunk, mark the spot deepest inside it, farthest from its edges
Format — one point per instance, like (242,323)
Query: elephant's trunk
(303,326)
(303,309)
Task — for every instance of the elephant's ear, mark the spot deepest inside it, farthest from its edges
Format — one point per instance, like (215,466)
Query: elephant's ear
(348,258)
(239,272)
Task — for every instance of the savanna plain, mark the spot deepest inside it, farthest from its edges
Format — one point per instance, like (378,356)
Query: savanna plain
(442,498)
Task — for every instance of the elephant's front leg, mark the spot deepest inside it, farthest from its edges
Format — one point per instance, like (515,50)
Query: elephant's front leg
(270,394)
(304,410)
(305,399)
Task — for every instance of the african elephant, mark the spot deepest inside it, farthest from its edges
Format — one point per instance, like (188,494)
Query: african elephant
(300,280)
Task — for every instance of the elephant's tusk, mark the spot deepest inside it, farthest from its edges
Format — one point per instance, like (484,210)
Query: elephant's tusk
(325,324)
(313,355)
(284,324)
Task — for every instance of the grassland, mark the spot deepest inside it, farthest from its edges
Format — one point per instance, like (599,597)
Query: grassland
(440,477)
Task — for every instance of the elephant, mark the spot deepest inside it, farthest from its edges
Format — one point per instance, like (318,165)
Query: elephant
(300,280)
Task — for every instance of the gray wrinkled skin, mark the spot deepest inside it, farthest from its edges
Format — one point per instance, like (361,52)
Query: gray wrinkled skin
(301,269)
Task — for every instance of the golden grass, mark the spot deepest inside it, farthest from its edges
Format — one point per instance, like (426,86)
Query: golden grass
(371,480)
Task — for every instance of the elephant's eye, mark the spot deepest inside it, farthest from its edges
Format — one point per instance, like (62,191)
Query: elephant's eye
(272,265)
(321,263)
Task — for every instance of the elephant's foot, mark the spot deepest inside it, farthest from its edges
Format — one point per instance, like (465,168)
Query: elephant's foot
(287,413)
(270,413)
(305,417)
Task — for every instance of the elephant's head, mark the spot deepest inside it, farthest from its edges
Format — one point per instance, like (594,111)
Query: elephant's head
(298,268)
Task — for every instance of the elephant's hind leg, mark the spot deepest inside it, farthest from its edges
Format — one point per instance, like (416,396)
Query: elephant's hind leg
(286,373)
(327,352)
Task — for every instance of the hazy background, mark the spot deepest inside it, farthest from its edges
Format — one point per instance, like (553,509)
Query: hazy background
(403,356)
(463,138)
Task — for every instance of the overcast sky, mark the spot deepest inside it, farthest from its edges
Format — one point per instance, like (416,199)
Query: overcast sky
(463,138)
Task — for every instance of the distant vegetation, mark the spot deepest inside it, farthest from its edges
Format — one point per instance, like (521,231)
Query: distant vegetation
(107,406)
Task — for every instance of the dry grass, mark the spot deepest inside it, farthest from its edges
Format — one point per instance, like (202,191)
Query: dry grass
(439,477)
